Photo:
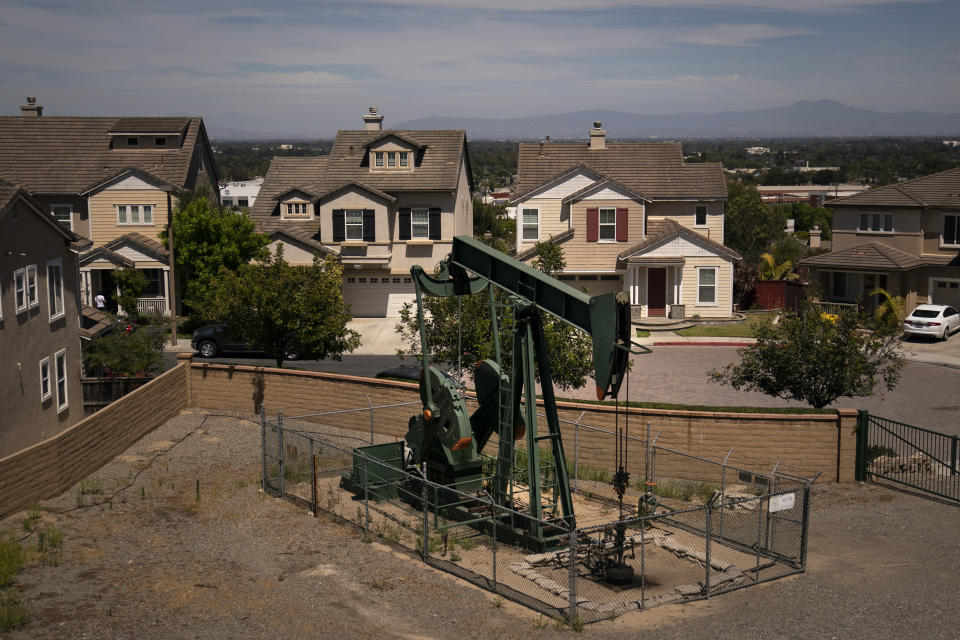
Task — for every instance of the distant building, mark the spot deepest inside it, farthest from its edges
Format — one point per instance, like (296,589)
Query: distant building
(286,147)
(240,194)
(952,143)
(804,167)
(757,151)
(813,194)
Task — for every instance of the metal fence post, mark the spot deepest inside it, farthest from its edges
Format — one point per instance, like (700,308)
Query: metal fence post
(280,447)
(371,419)
(493,534)
(263,447)
(953,455)
(313,482)
(770,490)
(706,583)
(426,512)
(366,495)
(805,527)
(723,488)
(573,575)
(860,472)
(643,564)
(576,452)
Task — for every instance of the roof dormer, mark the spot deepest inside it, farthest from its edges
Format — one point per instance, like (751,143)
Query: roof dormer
(148,133)
(393,152)
(296,204)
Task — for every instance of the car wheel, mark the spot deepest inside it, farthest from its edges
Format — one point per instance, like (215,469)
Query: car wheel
(207,349)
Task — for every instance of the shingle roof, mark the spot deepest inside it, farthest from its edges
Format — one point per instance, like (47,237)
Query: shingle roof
(53,154)
(150,125)
(936,190)
(10,193)
(872,255)
(140,241)
(558,239)
(660,230)
(284,174)
(655,169)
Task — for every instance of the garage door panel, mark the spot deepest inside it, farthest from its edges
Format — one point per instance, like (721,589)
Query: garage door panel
(379,296)
(946,292)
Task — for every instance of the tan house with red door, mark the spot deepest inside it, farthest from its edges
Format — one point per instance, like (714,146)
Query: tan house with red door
(631,217)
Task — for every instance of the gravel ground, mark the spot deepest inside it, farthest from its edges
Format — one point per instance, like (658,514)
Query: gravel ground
(153,561)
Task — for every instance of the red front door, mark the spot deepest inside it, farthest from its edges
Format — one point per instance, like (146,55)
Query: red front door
(656,292)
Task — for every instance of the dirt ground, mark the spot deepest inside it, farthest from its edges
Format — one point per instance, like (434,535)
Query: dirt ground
(149,559)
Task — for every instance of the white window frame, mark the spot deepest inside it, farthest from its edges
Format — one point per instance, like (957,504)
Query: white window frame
(297,210)
(609,226)
(424,223)
(404,159)
(67,223)
(715,286)
(55,296)
(60,367)
(956,229)
(874,216)
(524,225)
(378,158)
(45,380)
(134,215)
(696,211)
(348,225)
(20,289)
(33,287)
(391,158)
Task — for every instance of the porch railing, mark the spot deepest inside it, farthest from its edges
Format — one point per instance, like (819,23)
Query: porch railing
(149,306)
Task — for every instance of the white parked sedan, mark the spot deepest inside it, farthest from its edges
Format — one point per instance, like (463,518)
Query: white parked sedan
(932,320)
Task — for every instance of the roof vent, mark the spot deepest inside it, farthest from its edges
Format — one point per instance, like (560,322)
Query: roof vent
(31,109)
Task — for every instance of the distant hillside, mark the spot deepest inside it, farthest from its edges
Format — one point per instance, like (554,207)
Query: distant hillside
(826,118)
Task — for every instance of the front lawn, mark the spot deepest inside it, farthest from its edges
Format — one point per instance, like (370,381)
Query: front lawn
(744,329)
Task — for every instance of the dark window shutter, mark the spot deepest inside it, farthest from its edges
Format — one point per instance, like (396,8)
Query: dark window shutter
(405,223)
(369,226)
(593,225)
(434,223)
(339,226)
(622,218)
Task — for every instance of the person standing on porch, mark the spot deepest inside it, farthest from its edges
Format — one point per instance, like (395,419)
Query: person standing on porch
(100,302)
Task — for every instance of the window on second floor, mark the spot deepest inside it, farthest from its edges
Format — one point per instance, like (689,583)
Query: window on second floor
(45,391)
(133,141)
(403,158)
(33,287)
(295,209)
(419,223)
(700,216)
(55,288)
(531,225)
(876,222)
(134,214)
(20,289)
(608,224)
(354,224)
(60,358)
(63,213)
(378,158)
(950,236)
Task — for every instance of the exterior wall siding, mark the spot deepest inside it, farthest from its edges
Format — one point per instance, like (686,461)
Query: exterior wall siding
(554,220)
(724,288)
(103,213)
(685,213)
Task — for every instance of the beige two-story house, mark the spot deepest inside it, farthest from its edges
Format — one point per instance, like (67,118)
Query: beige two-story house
(112,180)
(631,217)
(383,201)
(40,388)
(904,238)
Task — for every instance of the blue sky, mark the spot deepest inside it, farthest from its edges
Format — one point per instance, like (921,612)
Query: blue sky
(313,67)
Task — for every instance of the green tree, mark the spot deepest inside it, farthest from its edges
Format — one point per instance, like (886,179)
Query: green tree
(130,283)
(491,226)
(285,310)
(460,329)
(127,350)
(769,269)
(750,228)
(815,358)
(889,314)
(207,238)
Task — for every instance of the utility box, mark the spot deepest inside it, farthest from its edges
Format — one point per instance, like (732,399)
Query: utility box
(377,468)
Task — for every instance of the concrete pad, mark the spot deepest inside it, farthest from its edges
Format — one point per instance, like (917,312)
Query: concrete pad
(377,336)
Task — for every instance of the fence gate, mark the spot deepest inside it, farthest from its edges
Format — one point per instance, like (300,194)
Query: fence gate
(911,456)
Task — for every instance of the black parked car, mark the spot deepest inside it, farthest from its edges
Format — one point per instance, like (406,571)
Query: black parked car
(213,339)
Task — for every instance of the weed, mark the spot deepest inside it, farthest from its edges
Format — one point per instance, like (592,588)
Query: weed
(12,613)
(455,557)
(33,517)
(559,624)
(91,486)
(380,584)
(498,602)
(686,491)
(366,539)
(465,543)
(11,560)
(541,622)
(143,493)
(577,624)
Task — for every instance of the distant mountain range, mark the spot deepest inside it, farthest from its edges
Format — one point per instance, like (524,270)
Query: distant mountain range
(820,118)
(826,118)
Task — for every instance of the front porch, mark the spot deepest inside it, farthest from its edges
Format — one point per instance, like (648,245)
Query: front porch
(154,299)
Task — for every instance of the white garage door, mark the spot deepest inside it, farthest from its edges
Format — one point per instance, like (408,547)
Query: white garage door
(377,296)
(599,284)
(946,292)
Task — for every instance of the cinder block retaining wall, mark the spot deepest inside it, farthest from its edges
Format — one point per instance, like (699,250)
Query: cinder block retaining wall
(49,468)
(804,444)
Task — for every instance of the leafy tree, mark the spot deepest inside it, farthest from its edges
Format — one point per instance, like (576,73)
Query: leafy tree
(492,227)
(749,226)
(130,282)
(285,310)
(460,328)
(890,313)
(815,358)
(771,270)
(207,238)
(127,350)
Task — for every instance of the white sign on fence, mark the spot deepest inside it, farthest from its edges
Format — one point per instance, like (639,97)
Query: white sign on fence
(782,502)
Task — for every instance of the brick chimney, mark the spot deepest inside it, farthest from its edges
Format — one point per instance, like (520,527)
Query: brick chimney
(815,238)
(598,137)
(31,109)
(372,121)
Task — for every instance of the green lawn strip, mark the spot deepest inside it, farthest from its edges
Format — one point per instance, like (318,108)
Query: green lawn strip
(732,330)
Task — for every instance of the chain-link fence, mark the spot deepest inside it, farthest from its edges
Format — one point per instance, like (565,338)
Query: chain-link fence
(686,527)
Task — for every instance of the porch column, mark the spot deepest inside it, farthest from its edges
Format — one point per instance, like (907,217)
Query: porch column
(166,289)
(677,285)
